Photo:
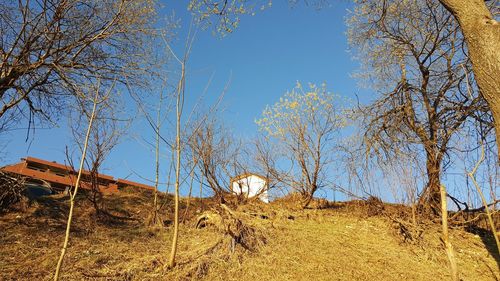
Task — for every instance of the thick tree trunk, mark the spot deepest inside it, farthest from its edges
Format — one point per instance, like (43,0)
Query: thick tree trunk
(308,195)
(482,35)
(306,200)
(429,201)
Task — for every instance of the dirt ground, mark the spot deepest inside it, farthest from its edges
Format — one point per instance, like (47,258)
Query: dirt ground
(316,244)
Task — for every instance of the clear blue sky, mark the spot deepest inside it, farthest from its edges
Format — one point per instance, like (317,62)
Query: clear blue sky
(264,57)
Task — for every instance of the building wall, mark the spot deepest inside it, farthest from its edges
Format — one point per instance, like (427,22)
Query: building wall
(61,177)
(252,186)
(44,174)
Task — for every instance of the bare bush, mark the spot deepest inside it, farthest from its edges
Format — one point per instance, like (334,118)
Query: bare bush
(11,190)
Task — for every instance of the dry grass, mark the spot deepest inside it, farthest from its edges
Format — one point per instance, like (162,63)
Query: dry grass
(333,246)
(338,243)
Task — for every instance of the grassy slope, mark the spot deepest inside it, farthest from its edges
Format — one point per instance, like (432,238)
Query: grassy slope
(316,245)
(340,247)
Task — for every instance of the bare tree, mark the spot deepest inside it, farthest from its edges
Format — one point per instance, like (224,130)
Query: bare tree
(178,146)
(179,98)
(266,158)
(218,155)
(47,47)
(154,219)
(105,134)
(96,100)
(155,215)
(304,124)
(413,54)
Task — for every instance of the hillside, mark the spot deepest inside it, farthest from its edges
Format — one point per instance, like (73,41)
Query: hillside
(343,242)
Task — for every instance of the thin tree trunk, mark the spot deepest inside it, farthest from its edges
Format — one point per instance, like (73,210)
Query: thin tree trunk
(171,262)
(169,177)
(446,240)
(190,190)
(72,196)
(95,192)
(155,219)
(483,199)
(414,213)
(201,194)
(488,213)
(482,35)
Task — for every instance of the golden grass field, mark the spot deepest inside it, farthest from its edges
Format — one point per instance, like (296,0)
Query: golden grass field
(338,243)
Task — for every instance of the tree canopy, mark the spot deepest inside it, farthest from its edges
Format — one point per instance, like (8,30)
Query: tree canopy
(49,48)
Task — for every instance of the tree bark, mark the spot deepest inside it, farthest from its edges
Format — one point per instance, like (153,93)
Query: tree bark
(178,150)
(482,35)
(446,238)
(306,200)
(430,199)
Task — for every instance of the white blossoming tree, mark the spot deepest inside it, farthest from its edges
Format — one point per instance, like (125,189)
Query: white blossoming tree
(303,125)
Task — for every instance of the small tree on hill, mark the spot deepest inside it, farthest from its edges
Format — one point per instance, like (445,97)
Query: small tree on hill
(97,99)
(218,156)
(105,134)
(304,124)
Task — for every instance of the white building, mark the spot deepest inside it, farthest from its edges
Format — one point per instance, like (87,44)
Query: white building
(251,185)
